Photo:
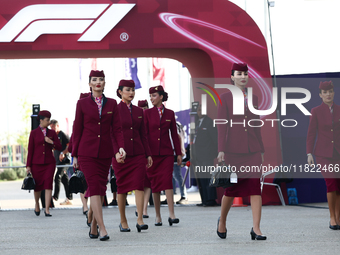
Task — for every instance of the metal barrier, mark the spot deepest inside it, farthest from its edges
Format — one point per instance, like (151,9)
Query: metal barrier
(4,167)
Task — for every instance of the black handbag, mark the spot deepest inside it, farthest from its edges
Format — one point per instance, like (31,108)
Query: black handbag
(77,182)
(28,183)
(221,177)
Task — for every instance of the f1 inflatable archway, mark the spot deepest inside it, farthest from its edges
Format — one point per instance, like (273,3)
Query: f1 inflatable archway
(206,36)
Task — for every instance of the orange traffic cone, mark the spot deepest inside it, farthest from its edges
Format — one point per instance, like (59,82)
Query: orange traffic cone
(238,202)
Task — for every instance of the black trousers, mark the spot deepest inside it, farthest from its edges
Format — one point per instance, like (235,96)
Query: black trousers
(61,175)
(208,194)
(42,197)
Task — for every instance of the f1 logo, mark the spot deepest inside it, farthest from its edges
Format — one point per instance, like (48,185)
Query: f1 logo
(34,20)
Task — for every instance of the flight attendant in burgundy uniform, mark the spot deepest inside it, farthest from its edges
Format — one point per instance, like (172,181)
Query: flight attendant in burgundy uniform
(325,123)
(240,146)
(40,160)
(147,184)
(159,120)
(130,175)
(96,123)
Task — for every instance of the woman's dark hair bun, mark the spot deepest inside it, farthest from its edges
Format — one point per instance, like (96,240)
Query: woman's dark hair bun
(165,96)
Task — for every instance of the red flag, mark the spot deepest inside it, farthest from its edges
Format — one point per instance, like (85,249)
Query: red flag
(158,71)
(94,64)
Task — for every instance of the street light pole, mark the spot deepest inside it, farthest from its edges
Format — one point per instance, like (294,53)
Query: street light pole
(271,4)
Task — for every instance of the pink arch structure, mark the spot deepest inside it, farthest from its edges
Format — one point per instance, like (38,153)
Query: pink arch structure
(206,36)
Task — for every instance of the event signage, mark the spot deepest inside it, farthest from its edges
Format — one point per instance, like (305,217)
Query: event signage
(34,20)
(238,100)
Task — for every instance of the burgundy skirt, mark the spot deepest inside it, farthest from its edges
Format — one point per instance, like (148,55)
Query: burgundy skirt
(248,183)
(147,183)
(130,175)
(332,179)
(96,171)
(160,173)
(43,176)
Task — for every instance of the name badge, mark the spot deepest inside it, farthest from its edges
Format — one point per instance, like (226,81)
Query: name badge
(167,120)
(139,117)
(109,112)
(233,178)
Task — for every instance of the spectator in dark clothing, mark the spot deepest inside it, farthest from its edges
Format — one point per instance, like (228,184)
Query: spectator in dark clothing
(204,151)
(62,158)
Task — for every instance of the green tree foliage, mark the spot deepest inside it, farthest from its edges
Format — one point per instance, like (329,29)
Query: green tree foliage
(26,120)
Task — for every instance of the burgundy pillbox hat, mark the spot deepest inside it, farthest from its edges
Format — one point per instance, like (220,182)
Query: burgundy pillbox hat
(156,89)
(159,88)
(143,103)
(326,85)
(45,113)
(97,73)
(83,95)
(125,83)
(240,67)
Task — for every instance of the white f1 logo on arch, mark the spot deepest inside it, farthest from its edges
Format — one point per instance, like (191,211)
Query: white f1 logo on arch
(34,20)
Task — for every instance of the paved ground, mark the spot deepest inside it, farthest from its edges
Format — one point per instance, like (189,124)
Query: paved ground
(290,230)
(13,198)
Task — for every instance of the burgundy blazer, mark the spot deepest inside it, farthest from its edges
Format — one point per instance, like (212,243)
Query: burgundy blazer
(39,151)
(133,128)
(70,145)
(92,135)
(157,131)
(327,126)
(239,138)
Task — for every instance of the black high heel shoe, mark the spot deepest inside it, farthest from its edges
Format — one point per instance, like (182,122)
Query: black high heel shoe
(254,236)
(141,227)
(123,229)
(334,227)
(158,224)
(173,221)
(221,235)
(47,214)
(144,216)
(36,213)
(103,238)
(92,236)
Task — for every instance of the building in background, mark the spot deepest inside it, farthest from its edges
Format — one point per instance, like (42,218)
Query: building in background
(13,154)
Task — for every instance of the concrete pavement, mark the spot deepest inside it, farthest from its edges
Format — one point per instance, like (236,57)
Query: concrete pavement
(290,230)
(13,198)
